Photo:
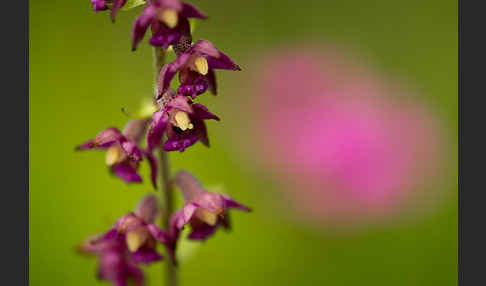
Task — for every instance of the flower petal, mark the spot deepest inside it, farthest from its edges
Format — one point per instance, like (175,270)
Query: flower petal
(202,231)
(222,62)
(117,266)
(134,273)
(168,239)
(146,255)
(126,223)
(168,4)
(164,38)
(211,78)
(181,102)
(153,168)
(141,25)
(193,89)
(158,233)
(132,150)
(86,145)
(117,4)
(226,221)
(213,202)
(168,72)
(126,172)
(182,216)
(148,208)
(193,85)
(205,48)
(110,234)
(189,186)
(107,137)
(92,244)
(190,11)
(202,112)
(99,5)
(180,143)
(230,203)
(156,129)
(201,132)
(216,59)
(135,129)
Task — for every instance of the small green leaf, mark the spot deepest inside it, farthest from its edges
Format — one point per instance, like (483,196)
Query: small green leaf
(147,108)
(132,4)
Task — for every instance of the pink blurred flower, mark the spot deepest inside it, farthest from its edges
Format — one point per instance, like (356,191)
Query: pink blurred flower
(347,145)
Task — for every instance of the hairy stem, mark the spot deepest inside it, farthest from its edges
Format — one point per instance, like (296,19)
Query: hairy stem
(166,186)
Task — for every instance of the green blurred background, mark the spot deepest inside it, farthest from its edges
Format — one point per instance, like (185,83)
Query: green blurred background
(82,72)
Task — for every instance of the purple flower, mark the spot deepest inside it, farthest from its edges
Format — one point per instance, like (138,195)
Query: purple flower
(168,19)
(137,233)
(123,155)
(115,262)
(351,151)
(101,5)
(182,121)
(196,68)
(204,211)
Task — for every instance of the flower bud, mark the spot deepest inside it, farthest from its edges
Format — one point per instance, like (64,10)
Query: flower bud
(135,129)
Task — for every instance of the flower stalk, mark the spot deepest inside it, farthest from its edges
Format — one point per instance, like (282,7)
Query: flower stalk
(166,191)
(167,197)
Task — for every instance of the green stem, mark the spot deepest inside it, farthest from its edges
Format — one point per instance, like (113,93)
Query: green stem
(166,186)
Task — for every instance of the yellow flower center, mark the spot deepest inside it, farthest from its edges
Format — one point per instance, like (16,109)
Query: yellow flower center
(183,121)
(207,216)
(112,155)
(135,239)
(169,17)
(201,65)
